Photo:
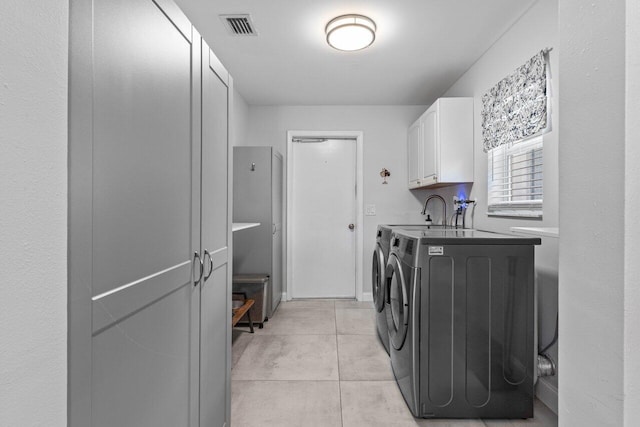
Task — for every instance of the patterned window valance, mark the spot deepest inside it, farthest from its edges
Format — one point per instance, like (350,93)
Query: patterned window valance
(516,107)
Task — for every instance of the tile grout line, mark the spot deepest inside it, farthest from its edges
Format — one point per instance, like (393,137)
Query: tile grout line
(334,333)
(335,319)
(244,350)
(290,381)
(340,380)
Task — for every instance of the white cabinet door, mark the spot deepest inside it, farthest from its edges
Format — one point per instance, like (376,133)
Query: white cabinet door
(440,144)
(430,160)
(414,155)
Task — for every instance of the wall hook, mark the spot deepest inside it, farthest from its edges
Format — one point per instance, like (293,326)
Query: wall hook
(384,173)
(253,167)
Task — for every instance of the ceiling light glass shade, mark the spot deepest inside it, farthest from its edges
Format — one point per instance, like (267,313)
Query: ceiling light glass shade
(350,32)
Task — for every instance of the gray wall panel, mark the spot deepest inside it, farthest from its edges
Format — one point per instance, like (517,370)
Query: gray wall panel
(214,395)
(142,143)
(141,367)
(214,160)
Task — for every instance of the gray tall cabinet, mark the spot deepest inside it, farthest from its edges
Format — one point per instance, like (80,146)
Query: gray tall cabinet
(149,219)
(258,197)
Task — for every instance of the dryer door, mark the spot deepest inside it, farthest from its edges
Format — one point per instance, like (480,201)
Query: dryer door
(377,278)
(398,302)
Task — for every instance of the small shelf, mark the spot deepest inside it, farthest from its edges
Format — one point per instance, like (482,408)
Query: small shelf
(237,226)
(537,231)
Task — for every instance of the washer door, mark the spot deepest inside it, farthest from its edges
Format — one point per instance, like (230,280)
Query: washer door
(377,278)
(398,304)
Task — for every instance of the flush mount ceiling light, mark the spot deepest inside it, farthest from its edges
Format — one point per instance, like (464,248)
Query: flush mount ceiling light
(350,32)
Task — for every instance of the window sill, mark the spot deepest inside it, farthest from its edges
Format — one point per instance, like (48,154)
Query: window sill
(537,231)
(516,214)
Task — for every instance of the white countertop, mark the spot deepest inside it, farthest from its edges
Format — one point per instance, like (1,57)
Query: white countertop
(537,231)
(237,226)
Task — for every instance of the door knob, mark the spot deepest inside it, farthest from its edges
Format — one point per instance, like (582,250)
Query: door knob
(352,226)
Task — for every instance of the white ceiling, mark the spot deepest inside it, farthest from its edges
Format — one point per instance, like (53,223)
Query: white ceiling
(422,47)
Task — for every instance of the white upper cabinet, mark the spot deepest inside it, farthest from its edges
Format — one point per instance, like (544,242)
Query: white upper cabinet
(440,144)
(415,155)
(428,126)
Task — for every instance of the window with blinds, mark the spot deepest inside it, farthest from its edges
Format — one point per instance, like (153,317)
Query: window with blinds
(515,178)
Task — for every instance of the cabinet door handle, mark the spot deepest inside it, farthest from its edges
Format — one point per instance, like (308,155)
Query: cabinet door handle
(196,256)
(352,226)
(207,254)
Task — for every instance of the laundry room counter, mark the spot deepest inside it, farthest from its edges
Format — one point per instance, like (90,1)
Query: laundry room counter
(467,237)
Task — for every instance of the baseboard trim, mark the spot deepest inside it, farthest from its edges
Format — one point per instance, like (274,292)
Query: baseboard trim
(366,296)
(547,394)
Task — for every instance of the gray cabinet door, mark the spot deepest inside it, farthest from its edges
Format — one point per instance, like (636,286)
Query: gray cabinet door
(134,215)
(277,278)
(215,332)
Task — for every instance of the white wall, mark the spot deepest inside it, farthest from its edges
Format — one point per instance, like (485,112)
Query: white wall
(592,213)
(535,30)
(385,138)
(33,212)
(240,118)
(632,226)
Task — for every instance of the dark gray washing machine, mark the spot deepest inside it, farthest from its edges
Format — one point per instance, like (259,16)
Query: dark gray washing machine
(460,316)
(380,257)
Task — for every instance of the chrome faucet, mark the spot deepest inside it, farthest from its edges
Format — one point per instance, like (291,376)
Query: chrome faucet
(444,207)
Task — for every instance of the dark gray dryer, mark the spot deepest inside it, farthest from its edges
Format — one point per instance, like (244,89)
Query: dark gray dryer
(460,316)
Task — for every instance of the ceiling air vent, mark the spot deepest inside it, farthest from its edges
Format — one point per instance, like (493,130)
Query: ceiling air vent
(239,25)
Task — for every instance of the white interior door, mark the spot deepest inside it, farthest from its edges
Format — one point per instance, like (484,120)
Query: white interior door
(323,237)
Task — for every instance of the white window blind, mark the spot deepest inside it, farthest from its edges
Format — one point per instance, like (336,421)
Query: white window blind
(515,178)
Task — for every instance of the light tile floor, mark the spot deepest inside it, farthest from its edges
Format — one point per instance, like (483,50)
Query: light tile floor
(319,363)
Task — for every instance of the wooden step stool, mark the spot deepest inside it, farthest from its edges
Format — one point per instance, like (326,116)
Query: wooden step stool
(240,308)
